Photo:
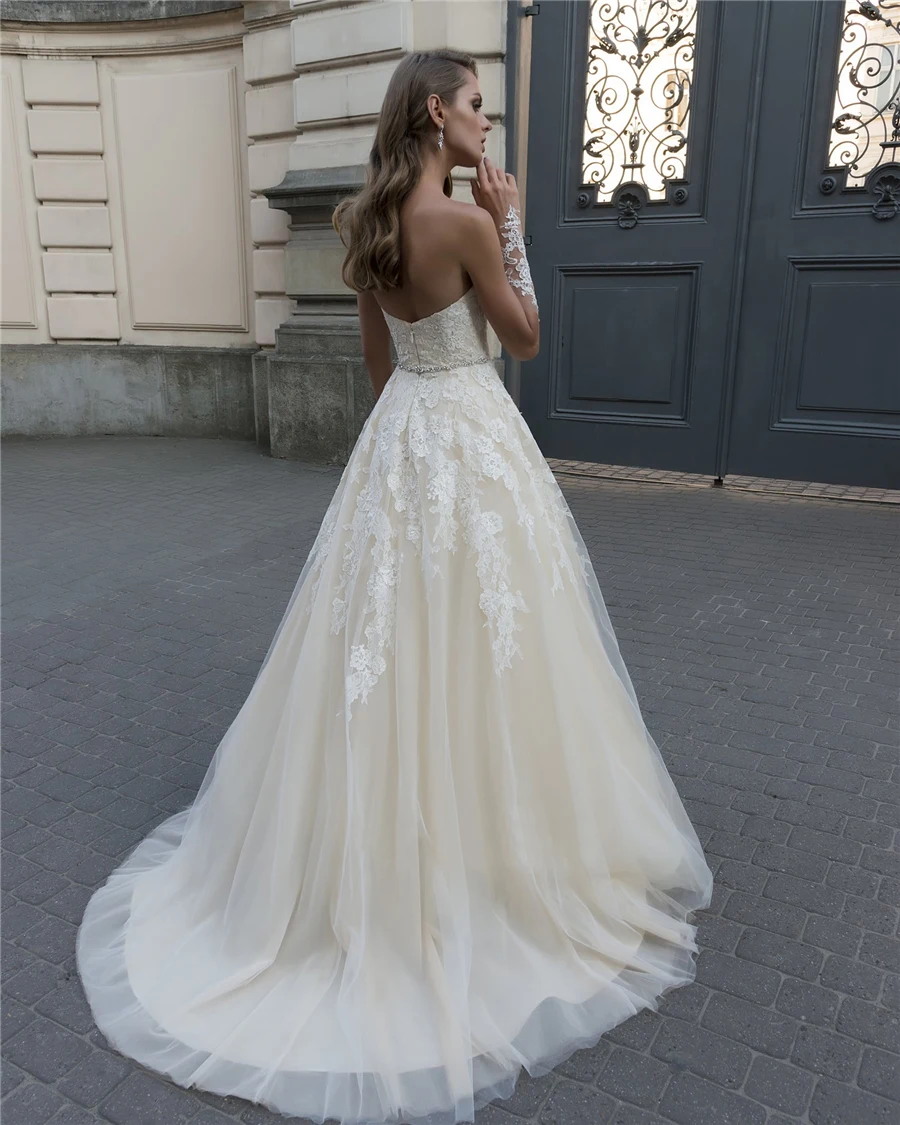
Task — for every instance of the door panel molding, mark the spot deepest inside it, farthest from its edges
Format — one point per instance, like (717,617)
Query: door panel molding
(825,354)
(627,312)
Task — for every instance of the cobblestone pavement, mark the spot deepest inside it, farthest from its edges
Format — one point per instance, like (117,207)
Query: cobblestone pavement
(143,580)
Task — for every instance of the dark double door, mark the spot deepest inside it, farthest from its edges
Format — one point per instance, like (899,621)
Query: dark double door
(719,288)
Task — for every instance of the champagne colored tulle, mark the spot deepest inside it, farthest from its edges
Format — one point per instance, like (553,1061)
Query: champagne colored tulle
(437,844)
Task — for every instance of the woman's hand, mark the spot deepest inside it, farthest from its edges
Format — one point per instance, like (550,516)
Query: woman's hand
(495,191)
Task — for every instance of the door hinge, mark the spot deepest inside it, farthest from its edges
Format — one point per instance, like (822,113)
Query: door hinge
(531,10)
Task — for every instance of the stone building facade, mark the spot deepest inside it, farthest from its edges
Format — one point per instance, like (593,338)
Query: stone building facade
(170,170)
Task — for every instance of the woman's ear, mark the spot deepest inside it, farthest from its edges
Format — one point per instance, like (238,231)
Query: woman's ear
(435,109)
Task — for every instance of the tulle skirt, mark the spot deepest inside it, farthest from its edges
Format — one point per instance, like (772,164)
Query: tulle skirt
(437,844)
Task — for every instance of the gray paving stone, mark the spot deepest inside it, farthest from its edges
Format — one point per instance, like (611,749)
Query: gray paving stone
(851,977)
(890,994)
(844,780)
(837,801)
(760,645)
(881,951)
(73,1115)
(16,869)
(57,855)
(631,1115)
(702,1052)
(807,1002)
(52,939)
(50,811)
(852,881)
(211,1117)
(637,1032)
(10,1077)
(585,1065)
(882,835)
(492,1115)
(779,1085)
(529,1095)
(825,1052)
(34,981)
(780,918)
(67,904)
(148,1100)
(790,861)
(692,1101)
(760,1028)
(777,952)
(96,1076)
(127,813)
(25,839)
(740,876)
(764,828)
(834,1103)
(30,1104)
(46,1051)
(14,1017)
(67,1005)
(880,1073)
(869,1023)
(803,895)
(80,828)
(632,1077)
(827,933)
(686,1002)
(738,976)
(570,1103)
(884,862)
(18,918)
(871,915)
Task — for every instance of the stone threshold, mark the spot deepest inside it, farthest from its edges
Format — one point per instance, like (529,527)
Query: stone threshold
(807,490)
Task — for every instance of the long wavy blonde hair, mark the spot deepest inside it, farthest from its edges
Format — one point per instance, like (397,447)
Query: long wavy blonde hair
(369,222)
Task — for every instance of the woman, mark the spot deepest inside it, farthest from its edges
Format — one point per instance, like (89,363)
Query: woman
(437,844)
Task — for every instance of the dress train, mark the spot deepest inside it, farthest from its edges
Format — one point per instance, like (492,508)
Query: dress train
(438,843)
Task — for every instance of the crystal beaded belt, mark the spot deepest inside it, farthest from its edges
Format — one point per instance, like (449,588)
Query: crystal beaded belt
(436,369)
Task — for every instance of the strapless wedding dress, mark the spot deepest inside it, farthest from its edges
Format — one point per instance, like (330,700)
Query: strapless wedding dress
(438,843)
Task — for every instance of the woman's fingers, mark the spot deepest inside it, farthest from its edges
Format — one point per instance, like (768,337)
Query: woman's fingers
(497,174)
(493,187)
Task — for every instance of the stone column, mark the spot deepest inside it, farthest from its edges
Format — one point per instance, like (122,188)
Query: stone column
(319,393)
(343,55)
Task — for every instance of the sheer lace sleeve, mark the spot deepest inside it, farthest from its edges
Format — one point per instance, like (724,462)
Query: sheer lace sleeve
(514,260)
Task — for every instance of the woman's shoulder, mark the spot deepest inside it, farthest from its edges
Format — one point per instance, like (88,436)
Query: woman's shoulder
(446,214)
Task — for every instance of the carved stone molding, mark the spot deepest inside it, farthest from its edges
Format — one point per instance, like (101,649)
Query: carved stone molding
(108,11)
(317,391)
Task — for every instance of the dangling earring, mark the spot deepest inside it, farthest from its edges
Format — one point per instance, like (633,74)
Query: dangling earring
(441,138)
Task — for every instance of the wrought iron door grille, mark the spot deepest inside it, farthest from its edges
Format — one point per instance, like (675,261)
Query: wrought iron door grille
(865,126)
(640,66)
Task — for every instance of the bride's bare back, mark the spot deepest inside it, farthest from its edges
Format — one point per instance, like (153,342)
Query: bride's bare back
(433,274)
(448,247)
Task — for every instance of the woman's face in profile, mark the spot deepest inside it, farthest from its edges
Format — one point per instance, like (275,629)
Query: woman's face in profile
(467,126)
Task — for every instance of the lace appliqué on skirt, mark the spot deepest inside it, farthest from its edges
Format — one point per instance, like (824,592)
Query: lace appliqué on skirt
(433,437)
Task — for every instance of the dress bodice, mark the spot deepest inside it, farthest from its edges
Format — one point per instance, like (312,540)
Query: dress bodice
(455,336)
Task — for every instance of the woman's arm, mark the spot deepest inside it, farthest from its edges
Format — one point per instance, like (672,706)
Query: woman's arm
(494,258)
(376,341)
